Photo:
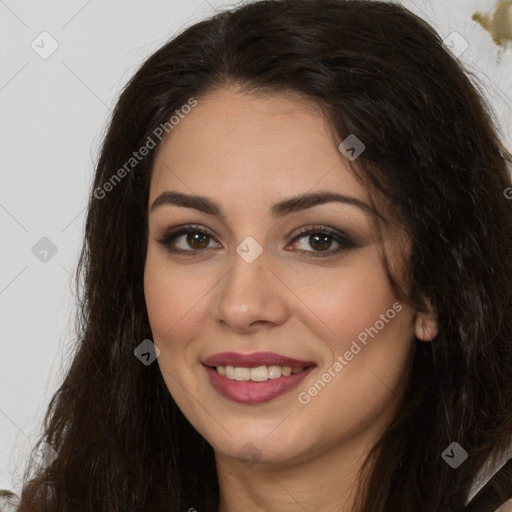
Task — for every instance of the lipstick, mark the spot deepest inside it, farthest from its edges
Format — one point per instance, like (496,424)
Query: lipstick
(254,392)
(250,360)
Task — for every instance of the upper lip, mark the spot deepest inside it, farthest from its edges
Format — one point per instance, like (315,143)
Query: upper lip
(254,359)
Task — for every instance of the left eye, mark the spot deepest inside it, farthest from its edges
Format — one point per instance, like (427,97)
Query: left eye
(321,240)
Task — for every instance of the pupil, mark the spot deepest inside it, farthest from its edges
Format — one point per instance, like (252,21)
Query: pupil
(195,239)
(323,239)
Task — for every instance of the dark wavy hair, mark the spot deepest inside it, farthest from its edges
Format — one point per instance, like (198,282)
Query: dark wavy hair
(433,152)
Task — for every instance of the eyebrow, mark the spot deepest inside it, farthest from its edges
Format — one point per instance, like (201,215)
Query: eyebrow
(285,207)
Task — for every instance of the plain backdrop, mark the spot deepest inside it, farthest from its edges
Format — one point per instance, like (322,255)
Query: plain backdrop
(62,66)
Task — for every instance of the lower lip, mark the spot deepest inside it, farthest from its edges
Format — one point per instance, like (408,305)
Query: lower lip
(250,392)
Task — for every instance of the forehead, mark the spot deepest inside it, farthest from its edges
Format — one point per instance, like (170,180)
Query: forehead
(233,142)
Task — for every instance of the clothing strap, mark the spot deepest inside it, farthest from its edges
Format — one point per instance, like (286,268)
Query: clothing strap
(494,493)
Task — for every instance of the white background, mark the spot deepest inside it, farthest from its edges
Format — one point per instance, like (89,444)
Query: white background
(53,115)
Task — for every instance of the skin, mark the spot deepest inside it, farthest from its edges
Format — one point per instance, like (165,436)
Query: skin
(247,152)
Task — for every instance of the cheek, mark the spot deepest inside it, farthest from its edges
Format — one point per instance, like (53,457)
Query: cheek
(173,300)
(177,302)
(345,301)
(171,296)
(365,336)
(369,345)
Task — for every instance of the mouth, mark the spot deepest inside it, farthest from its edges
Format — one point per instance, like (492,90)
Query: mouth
(255,378)
(257,373)
(254,359)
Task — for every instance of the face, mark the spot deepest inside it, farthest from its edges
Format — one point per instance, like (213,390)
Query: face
(235,263)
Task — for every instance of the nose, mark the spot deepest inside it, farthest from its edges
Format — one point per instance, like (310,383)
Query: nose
(251,297)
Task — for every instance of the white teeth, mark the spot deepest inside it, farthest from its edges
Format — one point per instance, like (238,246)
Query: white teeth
(242,373)
(258,373)
(274,372)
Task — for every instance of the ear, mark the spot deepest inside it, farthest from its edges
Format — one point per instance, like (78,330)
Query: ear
(426,327)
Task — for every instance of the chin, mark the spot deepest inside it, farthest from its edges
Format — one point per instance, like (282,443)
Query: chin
(257,444)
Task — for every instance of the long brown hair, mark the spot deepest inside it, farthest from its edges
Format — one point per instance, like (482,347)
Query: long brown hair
(432,150)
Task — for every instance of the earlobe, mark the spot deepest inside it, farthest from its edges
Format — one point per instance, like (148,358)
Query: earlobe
(426,328)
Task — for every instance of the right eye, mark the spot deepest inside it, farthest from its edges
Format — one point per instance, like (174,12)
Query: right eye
(191,238)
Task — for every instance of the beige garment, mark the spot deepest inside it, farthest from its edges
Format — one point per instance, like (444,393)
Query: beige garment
(487,472)
(506,507)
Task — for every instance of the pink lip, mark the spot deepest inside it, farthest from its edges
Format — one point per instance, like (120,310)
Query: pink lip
(254,359)
(249,392)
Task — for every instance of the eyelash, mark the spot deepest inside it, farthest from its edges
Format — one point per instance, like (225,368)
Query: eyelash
(343,240)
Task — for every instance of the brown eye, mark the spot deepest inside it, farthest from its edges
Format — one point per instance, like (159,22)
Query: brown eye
(320,242)
(313,241)
(197,240)
(186,239)
(317,240)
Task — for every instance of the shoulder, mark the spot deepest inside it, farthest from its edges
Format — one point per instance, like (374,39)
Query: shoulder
(493,485)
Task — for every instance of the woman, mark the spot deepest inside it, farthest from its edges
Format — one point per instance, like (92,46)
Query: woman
(297,278)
